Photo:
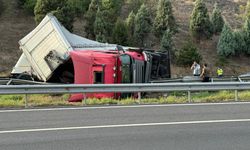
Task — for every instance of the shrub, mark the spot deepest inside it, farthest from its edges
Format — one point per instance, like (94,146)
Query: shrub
(164,18)
(187,54)
(200,25)
(217,19)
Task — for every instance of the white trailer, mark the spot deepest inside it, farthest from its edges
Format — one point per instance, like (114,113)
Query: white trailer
(47,47)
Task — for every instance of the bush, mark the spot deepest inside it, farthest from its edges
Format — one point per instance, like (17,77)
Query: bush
(200,25)
(187,54)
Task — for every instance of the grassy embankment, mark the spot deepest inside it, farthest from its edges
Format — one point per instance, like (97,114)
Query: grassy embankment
(17,101)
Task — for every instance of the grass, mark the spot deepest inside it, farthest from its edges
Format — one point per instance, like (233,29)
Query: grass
(18,101)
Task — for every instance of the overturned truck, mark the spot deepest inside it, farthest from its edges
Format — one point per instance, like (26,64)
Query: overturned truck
(52,54)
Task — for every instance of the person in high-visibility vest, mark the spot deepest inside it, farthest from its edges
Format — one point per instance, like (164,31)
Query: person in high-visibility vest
(219,73)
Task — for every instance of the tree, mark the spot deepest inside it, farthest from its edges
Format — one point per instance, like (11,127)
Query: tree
(200,25)
(90,19)
(226,45)
(107,14)
(164,18)
(120,33)
(130,23)
(187,54)
(247,10)
(167,42)
(59,8)
(99,27)
(79,6)
(246,30)
(142,25)
(29,6)
(217,20)
(240,44)
(134,5)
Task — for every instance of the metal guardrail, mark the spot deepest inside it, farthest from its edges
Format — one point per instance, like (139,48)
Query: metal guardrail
(121,88)
(189,79)
(13,81)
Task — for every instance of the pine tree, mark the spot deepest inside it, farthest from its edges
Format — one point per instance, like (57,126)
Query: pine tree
(90,19)
(134,5)
(167,42)
(226,45)
(99,27)
(164,18)
(59,8)
(80,6)
(217,20)
(246,30)
(108,13)
(187,54)
(247,10)
(130,22)
(240,44)
(29,6)
(200,25)
(142,25)
(120,33)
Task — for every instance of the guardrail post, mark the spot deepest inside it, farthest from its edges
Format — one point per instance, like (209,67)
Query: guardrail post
(26,101)
(139,97)
(84,99)
(236,95)
(189,97)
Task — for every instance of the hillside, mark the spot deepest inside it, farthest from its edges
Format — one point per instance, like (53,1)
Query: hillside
(15,23)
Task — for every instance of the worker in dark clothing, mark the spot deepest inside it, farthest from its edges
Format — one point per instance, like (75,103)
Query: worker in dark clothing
(205,74)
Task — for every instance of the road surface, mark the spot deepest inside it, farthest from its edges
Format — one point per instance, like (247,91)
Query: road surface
(155,127)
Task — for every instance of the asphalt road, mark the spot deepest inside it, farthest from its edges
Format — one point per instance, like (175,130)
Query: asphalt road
(165,127)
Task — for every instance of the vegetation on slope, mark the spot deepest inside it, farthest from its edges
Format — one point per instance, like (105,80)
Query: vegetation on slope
(179,14)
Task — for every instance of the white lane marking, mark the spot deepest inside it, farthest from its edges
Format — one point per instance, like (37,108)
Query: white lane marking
(128,106)
(125,125)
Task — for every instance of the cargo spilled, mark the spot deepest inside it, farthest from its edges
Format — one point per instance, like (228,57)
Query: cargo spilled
(52,54)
